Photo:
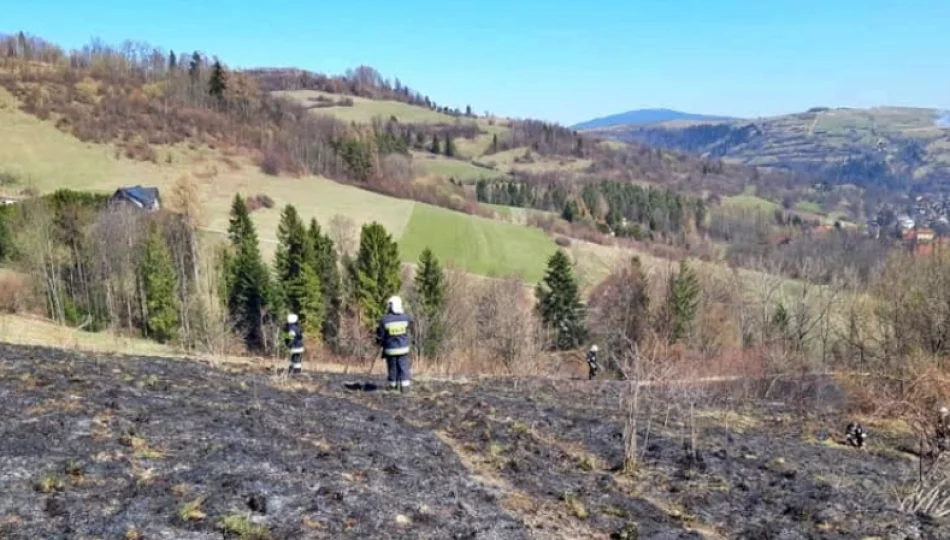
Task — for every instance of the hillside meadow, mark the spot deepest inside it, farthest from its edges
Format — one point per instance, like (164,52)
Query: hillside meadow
(45,158)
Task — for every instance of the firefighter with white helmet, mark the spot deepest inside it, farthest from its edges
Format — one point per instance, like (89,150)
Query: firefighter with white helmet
(592,366)
(293,338)
(393,335)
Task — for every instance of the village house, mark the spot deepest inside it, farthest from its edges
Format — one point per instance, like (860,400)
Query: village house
(146,198)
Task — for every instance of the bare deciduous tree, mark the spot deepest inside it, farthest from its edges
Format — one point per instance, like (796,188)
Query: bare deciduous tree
(342,231)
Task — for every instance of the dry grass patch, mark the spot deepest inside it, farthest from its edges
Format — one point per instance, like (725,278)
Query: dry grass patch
(140,447)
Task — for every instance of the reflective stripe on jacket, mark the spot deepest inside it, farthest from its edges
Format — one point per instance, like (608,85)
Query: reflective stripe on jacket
(293,338)
(392,334)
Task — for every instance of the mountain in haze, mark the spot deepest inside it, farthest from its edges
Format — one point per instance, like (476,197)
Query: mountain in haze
(894,148)
(646,116)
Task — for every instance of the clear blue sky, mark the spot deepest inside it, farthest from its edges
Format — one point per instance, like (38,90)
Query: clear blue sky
(564,61)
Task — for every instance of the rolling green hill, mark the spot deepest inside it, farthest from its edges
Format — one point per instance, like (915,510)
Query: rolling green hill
(45,158)
(891,147)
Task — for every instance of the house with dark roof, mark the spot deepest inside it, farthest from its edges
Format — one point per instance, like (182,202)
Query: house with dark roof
(146,198)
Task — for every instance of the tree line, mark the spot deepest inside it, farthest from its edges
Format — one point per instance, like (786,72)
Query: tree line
(623,209)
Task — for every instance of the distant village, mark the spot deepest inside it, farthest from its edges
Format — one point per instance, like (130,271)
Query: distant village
(923,224)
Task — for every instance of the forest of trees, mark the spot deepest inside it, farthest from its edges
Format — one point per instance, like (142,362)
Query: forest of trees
(624,209)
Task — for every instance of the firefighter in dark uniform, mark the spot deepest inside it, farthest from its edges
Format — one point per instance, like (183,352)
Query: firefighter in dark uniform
(942,430)
(393,335)
(592,366)
(855,435)
(293,338)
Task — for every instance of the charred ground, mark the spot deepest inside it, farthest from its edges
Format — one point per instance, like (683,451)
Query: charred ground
(122,447)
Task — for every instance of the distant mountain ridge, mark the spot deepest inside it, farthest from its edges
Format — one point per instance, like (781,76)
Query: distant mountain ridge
(892,148)
(647,116)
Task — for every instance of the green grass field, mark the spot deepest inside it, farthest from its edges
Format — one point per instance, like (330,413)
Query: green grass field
(750,202)
(482,246)
(364,110)
(446,168)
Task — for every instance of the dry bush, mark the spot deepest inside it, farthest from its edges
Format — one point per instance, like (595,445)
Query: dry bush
(490,327)
(185,199)
(140,151)
(510,330)
(396,168)
(272,163)
(343,232)
(930,495)
(261,200)
(17,293)
(619,313)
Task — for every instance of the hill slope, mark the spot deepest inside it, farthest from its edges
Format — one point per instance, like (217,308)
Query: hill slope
(194,452)
(891,147)
(46,158)
(645,116)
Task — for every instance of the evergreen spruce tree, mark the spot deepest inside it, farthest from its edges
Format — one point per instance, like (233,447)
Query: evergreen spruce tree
(494,143)
(294,265)
(429,291)
(218,82)
(559,303)
(172,61)
(435,146)
(682,302)
(325,264)
(247,281)
(376,271)
(194,67)
(449,146)
(159,287)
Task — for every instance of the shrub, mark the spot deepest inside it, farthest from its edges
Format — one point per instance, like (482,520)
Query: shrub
(261,200)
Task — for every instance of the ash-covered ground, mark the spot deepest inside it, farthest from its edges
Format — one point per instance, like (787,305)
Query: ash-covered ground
(148,448)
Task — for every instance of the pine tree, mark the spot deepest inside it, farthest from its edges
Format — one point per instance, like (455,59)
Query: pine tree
(434,147)
(468,110)
(449,146)
(294,266)
(325,264)
(376,270)
(194,67)
(218,83)
(682,302)
(559,303)
(172,61)
(159,287)
(248,288)
(429,291)
(494,143)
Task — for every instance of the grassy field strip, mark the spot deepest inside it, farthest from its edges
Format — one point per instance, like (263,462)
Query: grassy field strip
(364,110)
(482,246)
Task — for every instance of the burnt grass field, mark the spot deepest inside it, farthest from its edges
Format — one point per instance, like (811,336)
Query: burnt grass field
(147,448)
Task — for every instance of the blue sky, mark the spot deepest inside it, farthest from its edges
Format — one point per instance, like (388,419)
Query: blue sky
(565,61)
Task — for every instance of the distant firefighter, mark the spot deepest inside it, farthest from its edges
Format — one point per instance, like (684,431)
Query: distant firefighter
(855,435)
(592,366)
(942,429)
(293,338)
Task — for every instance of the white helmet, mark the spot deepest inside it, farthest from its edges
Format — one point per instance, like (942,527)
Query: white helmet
(395,304)
(291,318)
(594,348)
